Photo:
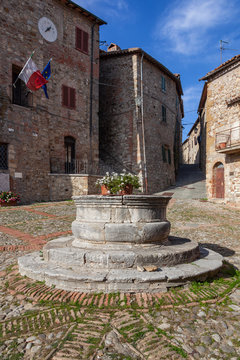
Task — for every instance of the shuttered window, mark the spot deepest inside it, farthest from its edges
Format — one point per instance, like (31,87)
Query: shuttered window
(169,156)
(164,114)
(82,40)
(68,97)
(163,83)
(164,158)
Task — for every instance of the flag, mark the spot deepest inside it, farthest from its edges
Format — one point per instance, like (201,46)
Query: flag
(46,73)
(32,76)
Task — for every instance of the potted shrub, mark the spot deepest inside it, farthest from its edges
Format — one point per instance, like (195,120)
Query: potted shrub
(120,184)
(8,198)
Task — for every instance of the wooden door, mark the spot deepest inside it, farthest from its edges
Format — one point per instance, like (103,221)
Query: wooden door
(219,182)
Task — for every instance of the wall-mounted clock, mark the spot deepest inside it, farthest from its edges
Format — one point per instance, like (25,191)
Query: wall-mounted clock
(47,29)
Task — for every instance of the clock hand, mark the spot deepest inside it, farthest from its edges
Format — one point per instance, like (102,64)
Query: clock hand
(49,28)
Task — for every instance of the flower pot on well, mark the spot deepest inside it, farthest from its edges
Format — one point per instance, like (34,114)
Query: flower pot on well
(104,190)
(127,190)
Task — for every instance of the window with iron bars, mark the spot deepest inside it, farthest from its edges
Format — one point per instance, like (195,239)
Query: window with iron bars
(3,156)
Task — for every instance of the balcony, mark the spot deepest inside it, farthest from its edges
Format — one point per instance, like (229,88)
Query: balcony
(228,141)
(58,166)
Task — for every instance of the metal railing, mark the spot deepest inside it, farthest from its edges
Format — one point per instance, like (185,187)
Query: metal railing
(228,138)
(76,166)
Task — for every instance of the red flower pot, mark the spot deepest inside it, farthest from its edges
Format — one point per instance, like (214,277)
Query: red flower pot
(128,190)
(104,190)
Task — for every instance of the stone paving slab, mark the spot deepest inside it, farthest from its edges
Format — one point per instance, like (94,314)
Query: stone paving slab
(199,322)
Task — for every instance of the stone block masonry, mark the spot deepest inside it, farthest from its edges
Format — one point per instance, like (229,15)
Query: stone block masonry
(140,113)
(34,127)
(223,121)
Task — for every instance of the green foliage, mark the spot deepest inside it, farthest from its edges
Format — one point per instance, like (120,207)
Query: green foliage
(8,197)
(117,182)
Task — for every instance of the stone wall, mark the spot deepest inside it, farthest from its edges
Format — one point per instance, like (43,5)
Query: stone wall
(132,131)
(35,133)
(220,116)
(64,186)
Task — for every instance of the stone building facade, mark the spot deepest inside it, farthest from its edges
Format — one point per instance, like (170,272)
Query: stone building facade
(202,123)
(43,140)
(223,131)
(191,146)
(140,116)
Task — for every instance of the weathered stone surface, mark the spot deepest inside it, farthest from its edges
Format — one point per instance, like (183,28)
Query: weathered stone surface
(115,279)
(138,219)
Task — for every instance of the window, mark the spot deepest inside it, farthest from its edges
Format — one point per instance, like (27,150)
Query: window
(20,93)
(68,97)
(3,156)
(164,114)
(169,156)
(164,158)
(163,83)
(81,40)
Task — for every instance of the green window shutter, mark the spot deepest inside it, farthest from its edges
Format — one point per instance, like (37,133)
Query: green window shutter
(169,156)
(164,154)
(164,114)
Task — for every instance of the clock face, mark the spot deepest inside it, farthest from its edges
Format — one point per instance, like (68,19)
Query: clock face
(47,29)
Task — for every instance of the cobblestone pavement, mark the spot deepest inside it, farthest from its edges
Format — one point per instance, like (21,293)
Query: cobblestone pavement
(200,321)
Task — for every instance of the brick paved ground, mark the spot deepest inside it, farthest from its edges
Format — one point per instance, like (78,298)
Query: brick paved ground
(200,321)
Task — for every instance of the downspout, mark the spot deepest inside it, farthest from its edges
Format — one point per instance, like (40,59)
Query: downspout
(91,98)
(143,131)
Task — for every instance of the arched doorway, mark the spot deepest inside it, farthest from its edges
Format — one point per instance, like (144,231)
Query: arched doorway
(218,181)
(69,145)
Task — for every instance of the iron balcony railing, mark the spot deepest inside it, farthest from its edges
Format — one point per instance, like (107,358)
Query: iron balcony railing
(228,139)
(75,166)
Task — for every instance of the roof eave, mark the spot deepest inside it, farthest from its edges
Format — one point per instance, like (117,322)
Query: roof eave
(85,12)
(148,57)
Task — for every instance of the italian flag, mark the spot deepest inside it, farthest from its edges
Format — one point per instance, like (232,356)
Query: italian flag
(32,76)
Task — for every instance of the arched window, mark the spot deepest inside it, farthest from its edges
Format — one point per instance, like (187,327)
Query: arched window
(69,145)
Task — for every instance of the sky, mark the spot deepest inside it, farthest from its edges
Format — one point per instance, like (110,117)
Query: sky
(183,35)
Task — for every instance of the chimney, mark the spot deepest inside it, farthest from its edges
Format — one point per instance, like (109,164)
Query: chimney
(113,47)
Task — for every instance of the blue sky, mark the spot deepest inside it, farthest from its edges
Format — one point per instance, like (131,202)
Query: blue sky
(183,35)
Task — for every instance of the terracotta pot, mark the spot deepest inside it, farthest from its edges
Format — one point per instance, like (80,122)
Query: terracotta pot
(104,190)
(222,145)
(10,203)
(128,190)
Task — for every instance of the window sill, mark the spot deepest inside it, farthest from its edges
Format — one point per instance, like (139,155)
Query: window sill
(22,106)
(82,51)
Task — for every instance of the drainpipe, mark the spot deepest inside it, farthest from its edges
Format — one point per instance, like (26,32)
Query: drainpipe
(143,131)
(91,97)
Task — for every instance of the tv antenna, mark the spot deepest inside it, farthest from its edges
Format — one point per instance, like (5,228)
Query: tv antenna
(222,42)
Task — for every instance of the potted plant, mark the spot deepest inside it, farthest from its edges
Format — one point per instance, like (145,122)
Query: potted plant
(121,184)
(8,198)
(222,145)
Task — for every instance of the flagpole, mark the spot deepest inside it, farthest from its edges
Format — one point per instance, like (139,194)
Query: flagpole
(23,68)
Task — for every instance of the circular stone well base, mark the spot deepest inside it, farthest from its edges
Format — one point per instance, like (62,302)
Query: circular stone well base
(102,269)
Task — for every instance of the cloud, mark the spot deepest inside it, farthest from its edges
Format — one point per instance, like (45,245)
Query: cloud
(192,96)
(188,24)
(107,8)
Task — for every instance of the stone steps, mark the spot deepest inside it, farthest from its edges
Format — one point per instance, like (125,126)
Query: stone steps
(114,280)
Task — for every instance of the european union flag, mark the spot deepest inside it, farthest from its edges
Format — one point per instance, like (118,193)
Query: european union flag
(46,73)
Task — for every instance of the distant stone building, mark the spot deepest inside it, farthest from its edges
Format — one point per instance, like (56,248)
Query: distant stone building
(191,146)
(140,116)
(222,111)
(202,124)
(43,140)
